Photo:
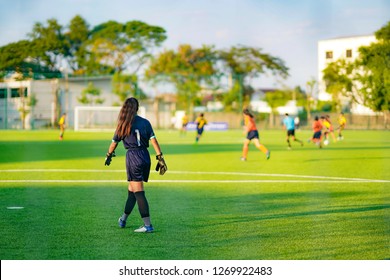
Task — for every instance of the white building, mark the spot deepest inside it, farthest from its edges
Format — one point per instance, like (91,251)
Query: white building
(56,96)
(44,113)
(340,48)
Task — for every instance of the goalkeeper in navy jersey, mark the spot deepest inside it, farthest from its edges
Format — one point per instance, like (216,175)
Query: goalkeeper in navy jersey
(135,133)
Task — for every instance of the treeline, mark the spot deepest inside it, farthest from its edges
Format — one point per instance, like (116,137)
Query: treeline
(131,50)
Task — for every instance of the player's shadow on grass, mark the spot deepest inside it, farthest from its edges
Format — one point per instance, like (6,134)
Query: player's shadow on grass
(30,151)
(356,159)
(358,148)
(200,148)
(272,206)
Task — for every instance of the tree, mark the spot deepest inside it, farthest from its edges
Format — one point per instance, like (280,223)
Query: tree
(76,36)
(124,46)
(275,99)
(245,63)
(188,69)
(90,95)
(374,74)
(26,102)
(18,58)
(50,46)
(125,86)
(310,90)
(339,79)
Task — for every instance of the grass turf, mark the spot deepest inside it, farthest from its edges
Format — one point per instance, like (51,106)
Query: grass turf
(304,204)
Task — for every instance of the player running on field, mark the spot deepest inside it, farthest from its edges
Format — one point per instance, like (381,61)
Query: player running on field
(200,123)
(289,125)
(184,123)
(135,133)
(62,125)
(317,132)
(328,128)
(252,134)
(342,123)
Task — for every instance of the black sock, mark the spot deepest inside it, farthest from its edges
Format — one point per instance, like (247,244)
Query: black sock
(288,142)
(130,202)
(143,205)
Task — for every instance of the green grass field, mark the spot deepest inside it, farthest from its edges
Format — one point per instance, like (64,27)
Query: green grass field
(303,204)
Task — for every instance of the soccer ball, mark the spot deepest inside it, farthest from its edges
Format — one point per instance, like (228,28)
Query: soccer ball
(326,142)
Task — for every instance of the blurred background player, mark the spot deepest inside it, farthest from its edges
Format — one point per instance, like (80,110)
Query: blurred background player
(252,134)
(136,132)
(62,125)
(317,132)
(328,128)
(289,125)
(342,122)
(297,122)
(184,122)
(200,123)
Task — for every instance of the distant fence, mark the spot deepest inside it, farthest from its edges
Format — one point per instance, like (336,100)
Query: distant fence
(162,119)
(235,120)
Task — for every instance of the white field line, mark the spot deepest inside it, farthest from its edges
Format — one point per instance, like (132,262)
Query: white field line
(320,179)
(193,181)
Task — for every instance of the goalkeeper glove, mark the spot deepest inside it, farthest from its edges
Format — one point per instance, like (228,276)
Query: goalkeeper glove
(161,165)
(109,158)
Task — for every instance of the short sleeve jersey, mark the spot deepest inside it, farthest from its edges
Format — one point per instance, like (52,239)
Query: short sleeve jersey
(317,126)
(201,122)
(184,120)
(249,123)
(289,123)
(327,124)
(342,120)
(140,134)
(62,120)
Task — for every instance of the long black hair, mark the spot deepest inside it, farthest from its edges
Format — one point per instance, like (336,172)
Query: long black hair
(247,112)
(126,116)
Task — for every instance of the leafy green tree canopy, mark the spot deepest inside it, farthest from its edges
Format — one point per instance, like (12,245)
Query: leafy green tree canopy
(252,62)
(90,95)
(375,77)
(187,68)
(124,46)
(245,63)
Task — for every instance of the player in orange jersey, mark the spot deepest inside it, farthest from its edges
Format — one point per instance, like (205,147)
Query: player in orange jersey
(252,134)
(317,132)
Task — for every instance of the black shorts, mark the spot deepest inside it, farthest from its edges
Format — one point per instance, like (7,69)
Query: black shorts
(291,132)
(253,134)
(200,130)
(317,135)
(138,165)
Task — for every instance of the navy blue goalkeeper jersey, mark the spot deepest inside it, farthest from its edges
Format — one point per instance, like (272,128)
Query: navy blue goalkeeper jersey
(141,133)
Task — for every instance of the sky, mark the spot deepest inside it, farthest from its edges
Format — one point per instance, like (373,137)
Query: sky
(288,29)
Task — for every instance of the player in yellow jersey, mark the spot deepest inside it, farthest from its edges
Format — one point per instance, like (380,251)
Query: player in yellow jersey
(200,123)
(184,122)
(61,123)
(252,134)
(342,123)
(327,123)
